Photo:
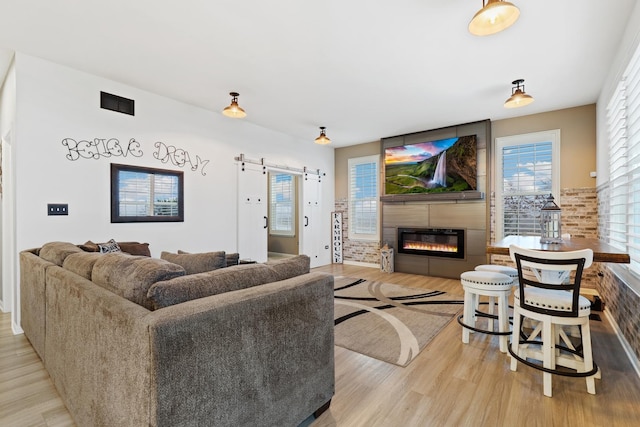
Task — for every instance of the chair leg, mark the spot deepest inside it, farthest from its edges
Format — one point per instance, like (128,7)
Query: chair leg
(503,321)
(491,312)
(588,358)
(548,355)
(515,338)
(468,317)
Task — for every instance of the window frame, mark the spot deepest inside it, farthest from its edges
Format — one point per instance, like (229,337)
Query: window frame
(351,163)
(552,136)
(116,189)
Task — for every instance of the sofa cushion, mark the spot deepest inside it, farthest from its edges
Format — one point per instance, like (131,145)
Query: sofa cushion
(131,276)
(290,267)
(197,263)
(56,252)
(231,259)
(181,289)
(81,263)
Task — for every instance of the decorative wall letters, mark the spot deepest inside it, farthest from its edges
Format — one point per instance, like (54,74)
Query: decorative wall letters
(178,157)
(100,147)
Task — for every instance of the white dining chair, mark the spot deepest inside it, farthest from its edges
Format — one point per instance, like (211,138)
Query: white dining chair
(549,295)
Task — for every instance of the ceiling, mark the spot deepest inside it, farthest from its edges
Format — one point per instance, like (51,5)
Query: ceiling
(364,69)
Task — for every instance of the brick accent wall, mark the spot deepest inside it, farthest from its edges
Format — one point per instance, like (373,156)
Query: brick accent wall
(579,219)
(355,250)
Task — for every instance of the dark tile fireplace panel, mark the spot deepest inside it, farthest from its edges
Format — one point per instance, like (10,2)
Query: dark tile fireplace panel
(433,242)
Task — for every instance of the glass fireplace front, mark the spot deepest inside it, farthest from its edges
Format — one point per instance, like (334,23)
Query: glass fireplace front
(438,242)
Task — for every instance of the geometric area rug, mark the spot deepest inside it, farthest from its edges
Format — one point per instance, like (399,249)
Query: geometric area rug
(389,322)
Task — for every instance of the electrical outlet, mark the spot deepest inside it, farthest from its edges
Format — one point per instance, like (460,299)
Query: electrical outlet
(57,209)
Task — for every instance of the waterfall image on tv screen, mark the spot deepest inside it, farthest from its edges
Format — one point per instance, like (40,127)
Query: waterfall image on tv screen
(438,166)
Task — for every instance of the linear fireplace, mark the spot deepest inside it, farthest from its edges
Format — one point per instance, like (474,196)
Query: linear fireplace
(436,242)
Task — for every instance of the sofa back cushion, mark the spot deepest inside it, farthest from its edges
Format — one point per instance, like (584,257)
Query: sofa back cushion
(131,276)
(81,263)
(181,289)
(56,252)
(287,268)
(197,263)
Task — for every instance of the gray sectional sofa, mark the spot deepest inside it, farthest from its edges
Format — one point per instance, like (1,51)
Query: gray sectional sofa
(135,341)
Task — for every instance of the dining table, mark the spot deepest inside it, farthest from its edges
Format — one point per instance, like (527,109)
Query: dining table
(602,251)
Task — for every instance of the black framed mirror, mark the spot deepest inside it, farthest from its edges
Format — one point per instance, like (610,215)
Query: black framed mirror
(141,194)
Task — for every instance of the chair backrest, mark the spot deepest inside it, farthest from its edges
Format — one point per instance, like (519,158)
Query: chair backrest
(559,271)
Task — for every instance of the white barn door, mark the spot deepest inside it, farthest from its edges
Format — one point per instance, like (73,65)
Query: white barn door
(253,223)
(311,218)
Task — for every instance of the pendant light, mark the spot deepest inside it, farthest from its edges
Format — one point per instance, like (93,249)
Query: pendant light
(323,139)
(518,96)
(234,109)
(495,16)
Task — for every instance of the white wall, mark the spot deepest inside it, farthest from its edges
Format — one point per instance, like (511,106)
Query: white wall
(627,47)
(7,248)
(55,102)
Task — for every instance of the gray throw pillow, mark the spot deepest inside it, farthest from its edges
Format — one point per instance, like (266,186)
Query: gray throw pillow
(197,263)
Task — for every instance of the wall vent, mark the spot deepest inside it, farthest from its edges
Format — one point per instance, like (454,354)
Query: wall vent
(117,103)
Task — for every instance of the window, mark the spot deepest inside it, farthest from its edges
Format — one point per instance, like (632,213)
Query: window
(527,171)
(146,195)
(282,204)
(363,198)
(622,224)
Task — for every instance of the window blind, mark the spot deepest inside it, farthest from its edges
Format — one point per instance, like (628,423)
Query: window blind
(622,227)
(363,198)
(282,204)
(527,171)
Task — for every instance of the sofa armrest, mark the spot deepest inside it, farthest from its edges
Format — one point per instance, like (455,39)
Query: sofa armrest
(261,353)
(32,298)
(97,351)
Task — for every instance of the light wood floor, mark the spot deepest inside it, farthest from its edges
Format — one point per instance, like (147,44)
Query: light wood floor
(448,384)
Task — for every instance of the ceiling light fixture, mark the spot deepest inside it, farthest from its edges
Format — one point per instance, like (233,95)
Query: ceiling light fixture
(234,109)
(322,139)
(495,16)
(518,96)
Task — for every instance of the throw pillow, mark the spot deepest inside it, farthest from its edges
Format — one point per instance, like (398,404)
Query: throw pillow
(135,248)
(110,246)
(197,263)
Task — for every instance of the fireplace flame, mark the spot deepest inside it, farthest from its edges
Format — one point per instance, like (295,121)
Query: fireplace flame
(426,246)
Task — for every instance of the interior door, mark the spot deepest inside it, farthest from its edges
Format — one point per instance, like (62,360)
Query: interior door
(311,221)
(253,222)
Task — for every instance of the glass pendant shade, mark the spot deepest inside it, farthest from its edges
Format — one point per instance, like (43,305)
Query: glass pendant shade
(495,16)
(518,97)
(234,110)
(322,139)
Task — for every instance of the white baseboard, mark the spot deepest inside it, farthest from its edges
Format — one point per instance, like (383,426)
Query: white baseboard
(625,344)
(362,264)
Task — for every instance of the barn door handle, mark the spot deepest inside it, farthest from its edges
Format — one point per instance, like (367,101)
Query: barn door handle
(266,222)
(306,221)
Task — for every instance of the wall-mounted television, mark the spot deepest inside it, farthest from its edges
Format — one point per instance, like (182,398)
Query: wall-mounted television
(440,166)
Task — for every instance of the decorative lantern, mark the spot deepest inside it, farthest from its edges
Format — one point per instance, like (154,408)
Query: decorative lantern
(550,222)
